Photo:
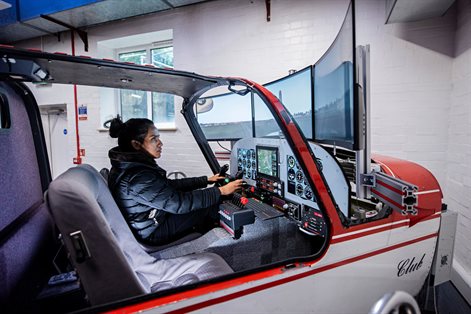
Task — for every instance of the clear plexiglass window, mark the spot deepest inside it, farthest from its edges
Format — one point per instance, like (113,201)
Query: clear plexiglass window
(225,117)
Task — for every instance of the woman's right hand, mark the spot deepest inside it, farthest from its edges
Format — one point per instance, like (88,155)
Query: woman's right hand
(231,187)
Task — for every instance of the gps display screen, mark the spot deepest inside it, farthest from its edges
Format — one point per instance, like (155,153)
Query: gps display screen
(267,161)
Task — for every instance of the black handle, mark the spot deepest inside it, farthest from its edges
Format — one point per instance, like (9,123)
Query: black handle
(223,170)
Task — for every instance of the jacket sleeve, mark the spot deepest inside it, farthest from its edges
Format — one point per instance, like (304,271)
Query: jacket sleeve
(189,184)
(150,188)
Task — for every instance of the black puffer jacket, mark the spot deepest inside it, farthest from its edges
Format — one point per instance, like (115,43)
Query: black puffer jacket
(145,195)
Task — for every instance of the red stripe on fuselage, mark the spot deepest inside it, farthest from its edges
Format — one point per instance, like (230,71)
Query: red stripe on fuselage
(249,278)
(368,232)
(378,230)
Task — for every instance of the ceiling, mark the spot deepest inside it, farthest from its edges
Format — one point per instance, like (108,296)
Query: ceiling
(87,15)
(400,11)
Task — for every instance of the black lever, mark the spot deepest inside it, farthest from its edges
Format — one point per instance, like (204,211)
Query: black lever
(222,173)
(223,170)
(239,175)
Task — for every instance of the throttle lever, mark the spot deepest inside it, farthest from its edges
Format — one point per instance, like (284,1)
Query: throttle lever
(239,175)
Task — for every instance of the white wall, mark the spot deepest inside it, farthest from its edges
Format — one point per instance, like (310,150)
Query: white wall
(458,179)
(229,38)
(410,85)
(421,78)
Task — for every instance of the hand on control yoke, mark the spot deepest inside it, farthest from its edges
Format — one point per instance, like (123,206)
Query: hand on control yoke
(231,187)
(216,178)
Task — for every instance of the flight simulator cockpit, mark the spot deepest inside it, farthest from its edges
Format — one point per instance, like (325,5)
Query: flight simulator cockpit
(301,146)
(324,101)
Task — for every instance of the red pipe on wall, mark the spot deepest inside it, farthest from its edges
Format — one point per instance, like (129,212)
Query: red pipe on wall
(77,159)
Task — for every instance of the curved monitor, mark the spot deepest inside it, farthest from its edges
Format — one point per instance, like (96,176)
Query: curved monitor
(295,92)
(335,110)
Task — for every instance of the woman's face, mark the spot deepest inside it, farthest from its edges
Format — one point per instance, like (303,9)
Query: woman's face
(152,143)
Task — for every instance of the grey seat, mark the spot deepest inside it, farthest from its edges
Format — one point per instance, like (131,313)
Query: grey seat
(110,262)
(105,172)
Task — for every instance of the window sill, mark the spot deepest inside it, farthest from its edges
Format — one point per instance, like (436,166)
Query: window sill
(169,126)
(161,128)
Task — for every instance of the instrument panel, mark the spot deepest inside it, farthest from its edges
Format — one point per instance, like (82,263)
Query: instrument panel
(276,184)
(296,180)
(246,162)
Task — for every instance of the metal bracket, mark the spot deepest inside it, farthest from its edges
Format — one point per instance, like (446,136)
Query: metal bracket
(368,180)
(82,34)
(80,246)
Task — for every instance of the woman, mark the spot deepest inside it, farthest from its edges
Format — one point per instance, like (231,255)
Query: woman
(157,209)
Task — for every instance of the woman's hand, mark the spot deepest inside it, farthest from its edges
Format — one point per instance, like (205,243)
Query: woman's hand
(231,187)
(215,178)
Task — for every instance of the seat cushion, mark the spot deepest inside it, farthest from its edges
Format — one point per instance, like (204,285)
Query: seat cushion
(190,269)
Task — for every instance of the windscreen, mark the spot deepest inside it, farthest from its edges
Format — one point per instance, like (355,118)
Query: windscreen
(225,117)
(294,92)
(333,90)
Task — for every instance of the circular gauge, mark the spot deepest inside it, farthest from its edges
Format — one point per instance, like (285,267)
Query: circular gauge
(291,175)
(249,164)
(252,153)
(299,190)
(249,174)
(308,192)
(245,172)
(319,164)
(291,161)
(253,164)
(299,176)
(244,162)
(244,153)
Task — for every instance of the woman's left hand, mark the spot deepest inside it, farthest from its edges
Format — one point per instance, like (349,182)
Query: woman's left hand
(215,178)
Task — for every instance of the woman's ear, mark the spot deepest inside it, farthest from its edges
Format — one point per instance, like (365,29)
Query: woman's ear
(136,145)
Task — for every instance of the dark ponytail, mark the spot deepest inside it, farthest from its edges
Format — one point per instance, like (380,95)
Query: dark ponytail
(133,129)
(116,126)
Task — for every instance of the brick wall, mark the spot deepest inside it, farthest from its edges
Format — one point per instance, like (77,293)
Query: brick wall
(410,85)
(229,38)
(458,159)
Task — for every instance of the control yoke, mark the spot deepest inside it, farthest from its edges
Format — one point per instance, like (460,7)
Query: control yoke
(223,170)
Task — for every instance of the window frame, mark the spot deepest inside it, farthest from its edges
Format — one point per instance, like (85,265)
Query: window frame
(150,95)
